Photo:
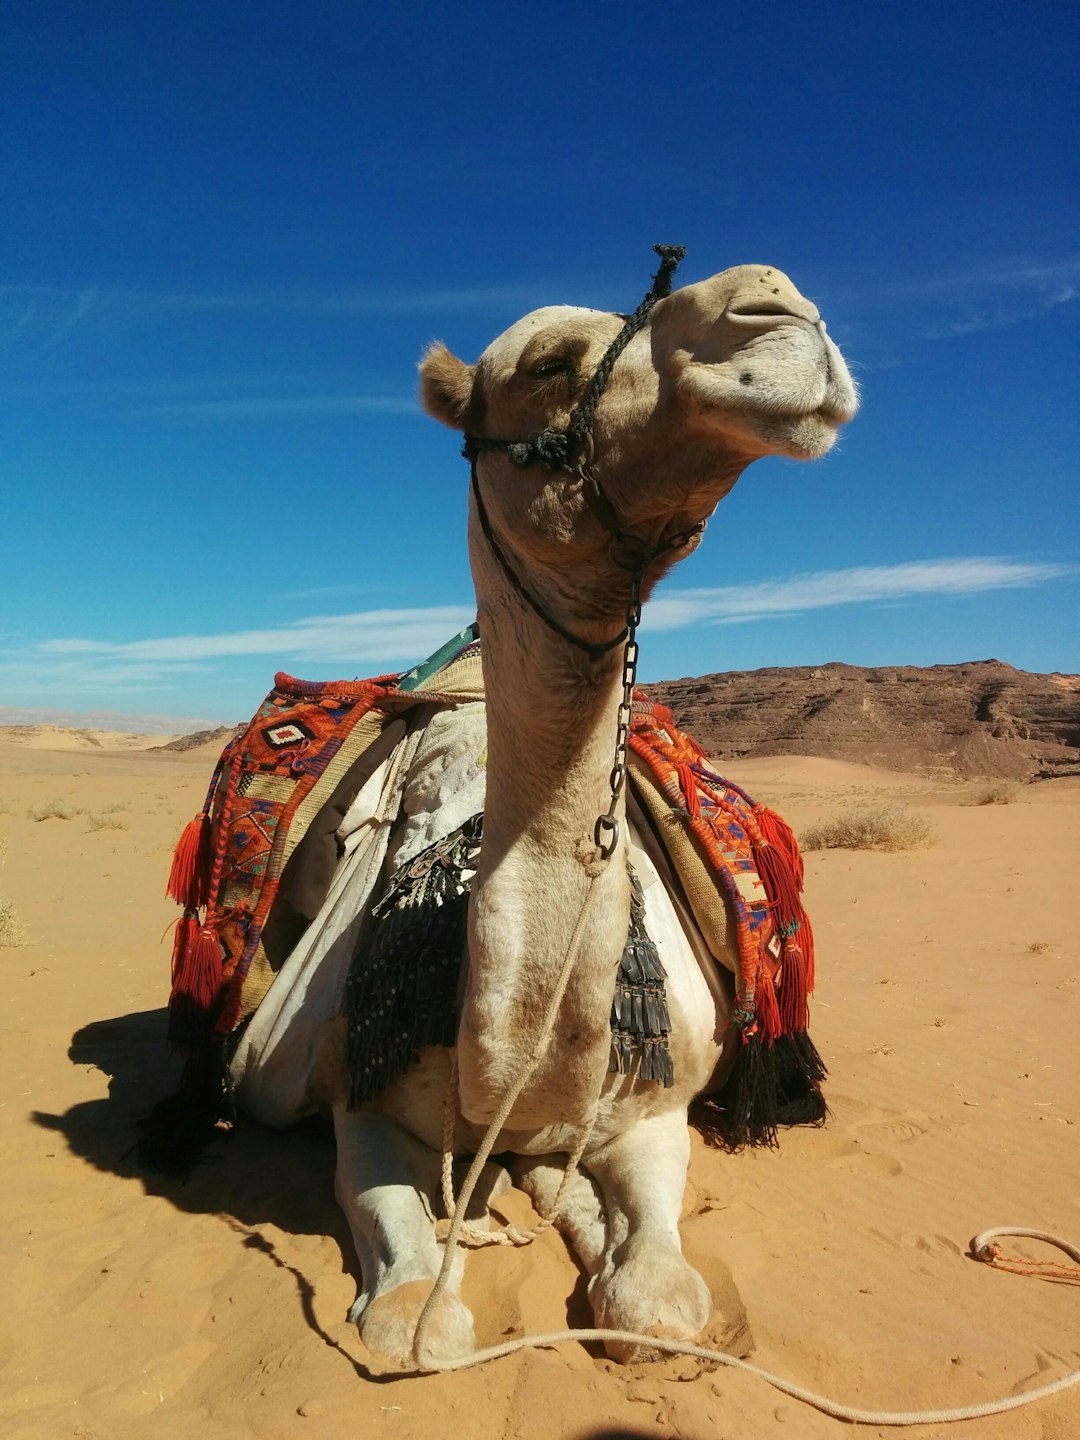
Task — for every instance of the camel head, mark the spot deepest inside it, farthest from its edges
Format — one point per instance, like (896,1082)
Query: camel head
(723,372)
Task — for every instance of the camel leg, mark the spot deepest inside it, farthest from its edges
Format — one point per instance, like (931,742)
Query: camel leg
(581,1219)
(385,1183)
(642,1282)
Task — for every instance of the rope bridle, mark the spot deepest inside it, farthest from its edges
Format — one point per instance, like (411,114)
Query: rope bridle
(571,449)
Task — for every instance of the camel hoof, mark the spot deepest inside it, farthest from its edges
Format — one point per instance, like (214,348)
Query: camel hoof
(387,1325)
(651,1295)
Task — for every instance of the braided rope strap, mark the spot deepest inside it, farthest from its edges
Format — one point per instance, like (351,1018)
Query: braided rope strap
(557,449)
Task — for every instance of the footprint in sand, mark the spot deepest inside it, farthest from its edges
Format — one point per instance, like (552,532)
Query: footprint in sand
(900,1128)
(868,1162)
(846,1152)
(932,1244)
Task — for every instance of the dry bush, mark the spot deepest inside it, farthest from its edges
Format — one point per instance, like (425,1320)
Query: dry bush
(1039,947)
(994,792)
(885,827)
(53,810)
(106,820)
(12,930)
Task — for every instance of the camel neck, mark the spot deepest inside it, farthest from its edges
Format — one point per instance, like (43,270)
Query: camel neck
(552,718)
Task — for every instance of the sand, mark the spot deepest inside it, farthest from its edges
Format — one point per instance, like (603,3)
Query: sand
(947,1008)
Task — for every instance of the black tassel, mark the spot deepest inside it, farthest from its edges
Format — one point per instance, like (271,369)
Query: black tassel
(401,994)
(770,1084)
(799,1073)
(180,1127)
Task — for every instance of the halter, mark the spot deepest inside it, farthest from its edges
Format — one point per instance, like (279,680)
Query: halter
(571,449)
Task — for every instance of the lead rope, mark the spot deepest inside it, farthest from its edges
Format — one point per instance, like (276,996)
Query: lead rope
(981,1248)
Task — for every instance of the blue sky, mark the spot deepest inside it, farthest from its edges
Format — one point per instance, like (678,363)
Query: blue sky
(231,228)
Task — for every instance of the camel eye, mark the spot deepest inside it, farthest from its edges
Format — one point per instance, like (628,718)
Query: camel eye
(548,368)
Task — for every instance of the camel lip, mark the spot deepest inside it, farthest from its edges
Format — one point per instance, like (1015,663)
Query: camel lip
(836,406)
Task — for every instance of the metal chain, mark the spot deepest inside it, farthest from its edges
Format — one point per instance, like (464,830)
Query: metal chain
(606,830)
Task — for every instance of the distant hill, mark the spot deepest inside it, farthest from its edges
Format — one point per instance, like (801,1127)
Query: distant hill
(64,737)
(984,718)
(217,737)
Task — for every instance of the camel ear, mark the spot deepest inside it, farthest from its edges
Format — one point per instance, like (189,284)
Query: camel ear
(446,386)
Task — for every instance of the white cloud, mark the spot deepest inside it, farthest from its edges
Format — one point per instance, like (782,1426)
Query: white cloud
(74,305)
(318,406)
(989,295)
(363,642)
(863,585)
(369,635)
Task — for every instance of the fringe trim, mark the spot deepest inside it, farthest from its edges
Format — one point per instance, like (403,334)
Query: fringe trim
(773,1083)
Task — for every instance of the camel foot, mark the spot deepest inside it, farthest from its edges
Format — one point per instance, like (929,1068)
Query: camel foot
(387,1325)
(652,1294)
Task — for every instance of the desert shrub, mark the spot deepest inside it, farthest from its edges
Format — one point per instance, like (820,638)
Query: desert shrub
(106,819)
(53,810)
(1039,947)
(993,792)
(886,827)
(12,930)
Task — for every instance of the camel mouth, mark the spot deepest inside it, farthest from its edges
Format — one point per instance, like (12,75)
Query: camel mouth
(788,387)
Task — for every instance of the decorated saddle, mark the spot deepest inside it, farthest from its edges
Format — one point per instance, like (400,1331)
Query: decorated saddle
(300,813)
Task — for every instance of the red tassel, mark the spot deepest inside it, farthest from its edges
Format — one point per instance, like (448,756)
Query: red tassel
(806,945)
(781,887)
(182,937)
(794,1014)
(776,832)
(189,877)
(196,962)
(766,1010)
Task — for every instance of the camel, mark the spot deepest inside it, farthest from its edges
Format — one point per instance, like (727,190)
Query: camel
(716,374)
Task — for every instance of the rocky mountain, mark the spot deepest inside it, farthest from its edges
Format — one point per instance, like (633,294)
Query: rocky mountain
(984,718)
(200,738)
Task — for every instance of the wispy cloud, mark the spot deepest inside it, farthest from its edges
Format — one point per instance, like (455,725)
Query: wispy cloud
(985,295)
(370,635)
(362,642)
(238,395)
(75,304)
(299,406)
(863,585)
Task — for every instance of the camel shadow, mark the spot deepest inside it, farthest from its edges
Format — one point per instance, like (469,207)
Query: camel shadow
(249,1176)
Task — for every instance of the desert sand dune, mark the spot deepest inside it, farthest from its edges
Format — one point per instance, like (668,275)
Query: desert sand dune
(947,1008)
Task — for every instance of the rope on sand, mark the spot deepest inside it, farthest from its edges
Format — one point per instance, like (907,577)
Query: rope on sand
(981,1247)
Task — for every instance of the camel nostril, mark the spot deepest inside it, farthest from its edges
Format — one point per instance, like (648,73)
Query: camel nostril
(753,308)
